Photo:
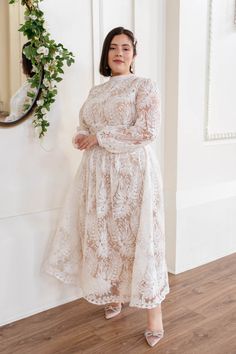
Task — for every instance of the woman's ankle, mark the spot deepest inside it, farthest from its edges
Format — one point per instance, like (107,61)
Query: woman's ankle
(154,319)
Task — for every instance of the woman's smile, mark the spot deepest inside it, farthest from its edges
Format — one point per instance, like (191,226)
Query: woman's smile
(118,61)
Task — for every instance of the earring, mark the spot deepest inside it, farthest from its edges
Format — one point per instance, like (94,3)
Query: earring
(132,68)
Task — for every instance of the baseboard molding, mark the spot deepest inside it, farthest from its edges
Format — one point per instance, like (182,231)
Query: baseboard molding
(205,262)
(38,310)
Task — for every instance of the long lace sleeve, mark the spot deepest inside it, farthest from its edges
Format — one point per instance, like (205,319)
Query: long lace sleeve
(82,128)
(118,139)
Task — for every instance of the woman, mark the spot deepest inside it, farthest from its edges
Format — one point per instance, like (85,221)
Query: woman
(20,98)
(110,240)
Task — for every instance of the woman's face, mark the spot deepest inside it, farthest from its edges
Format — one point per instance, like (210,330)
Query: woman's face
(120,55)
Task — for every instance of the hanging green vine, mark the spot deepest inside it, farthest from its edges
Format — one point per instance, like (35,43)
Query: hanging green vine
(48,59)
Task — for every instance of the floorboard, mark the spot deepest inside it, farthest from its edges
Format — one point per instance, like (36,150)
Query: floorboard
(199,317)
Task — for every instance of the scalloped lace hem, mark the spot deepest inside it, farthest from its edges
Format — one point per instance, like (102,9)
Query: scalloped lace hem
(112,298)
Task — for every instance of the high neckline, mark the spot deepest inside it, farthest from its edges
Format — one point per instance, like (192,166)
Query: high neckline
(120,77)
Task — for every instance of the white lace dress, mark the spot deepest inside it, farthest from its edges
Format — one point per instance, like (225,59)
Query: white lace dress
(18,100)
(110,238)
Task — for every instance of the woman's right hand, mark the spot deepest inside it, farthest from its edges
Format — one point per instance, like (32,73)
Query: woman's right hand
(84,142)
(77,139)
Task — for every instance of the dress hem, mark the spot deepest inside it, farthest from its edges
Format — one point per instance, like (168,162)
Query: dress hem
(111,299)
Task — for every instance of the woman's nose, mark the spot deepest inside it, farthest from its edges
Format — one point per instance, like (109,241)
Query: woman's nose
(119,52)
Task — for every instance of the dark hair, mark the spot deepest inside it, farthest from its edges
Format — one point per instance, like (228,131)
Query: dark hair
(26,63)
(104,67)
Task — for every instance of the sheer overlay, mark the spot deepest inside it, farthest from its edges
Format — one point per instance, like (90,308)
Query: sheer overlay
(110,238)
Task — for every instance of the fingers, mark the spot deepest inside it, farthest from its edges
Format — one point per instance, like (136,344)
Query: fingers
(80,138)
(85,142)
(80,142)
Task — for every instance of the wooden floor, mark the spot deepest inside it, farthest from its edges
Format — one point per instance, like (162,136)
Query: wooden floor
(199,317)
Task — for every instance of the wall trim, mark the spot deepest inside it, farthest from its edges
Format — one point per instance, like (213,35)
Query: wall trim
(208,136)
(39,309)
(97,34)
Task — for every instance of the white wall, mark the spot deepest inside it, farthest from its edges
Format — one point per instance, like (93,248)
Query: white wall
(204,186)
(35,175)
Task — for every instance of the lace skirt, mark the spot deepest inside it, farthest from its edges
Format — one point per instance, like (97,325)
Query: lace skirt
(110,237)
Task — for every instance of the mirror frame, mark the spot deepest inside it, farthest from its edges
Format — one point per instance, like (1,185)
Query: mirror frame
(46,55)
(26,114)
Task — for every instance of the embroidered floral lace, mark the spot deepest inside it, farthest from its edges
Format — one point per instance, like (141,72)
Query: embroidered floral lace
(110,238)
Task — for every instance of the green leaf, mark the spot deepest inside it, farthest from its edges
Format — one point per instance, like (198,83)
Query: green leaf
(31,94)
(26,107)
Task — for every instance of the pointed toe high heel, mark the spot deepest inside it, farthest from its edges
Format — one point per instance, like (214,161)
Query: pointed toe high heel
(153,337)
(111,311)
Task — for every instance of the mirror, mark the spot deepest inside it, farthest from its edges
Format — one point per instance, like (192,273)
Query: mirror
(17,97)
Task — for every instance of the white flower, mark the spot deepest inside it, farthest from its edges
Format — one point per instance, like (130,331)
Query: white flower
(33,17)
(44,111)
(40,102)
(35,69)
(46,82)
(43,50)
(46,67)
(49,84)
(53,83)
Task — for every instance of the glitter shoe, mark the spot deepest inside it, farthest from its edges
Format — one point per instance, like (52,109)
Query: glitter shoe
(112,310)
(153,337)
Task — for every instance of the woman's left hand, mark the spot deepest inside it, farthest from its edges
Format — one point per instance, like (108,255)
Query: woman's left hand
(86,142)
